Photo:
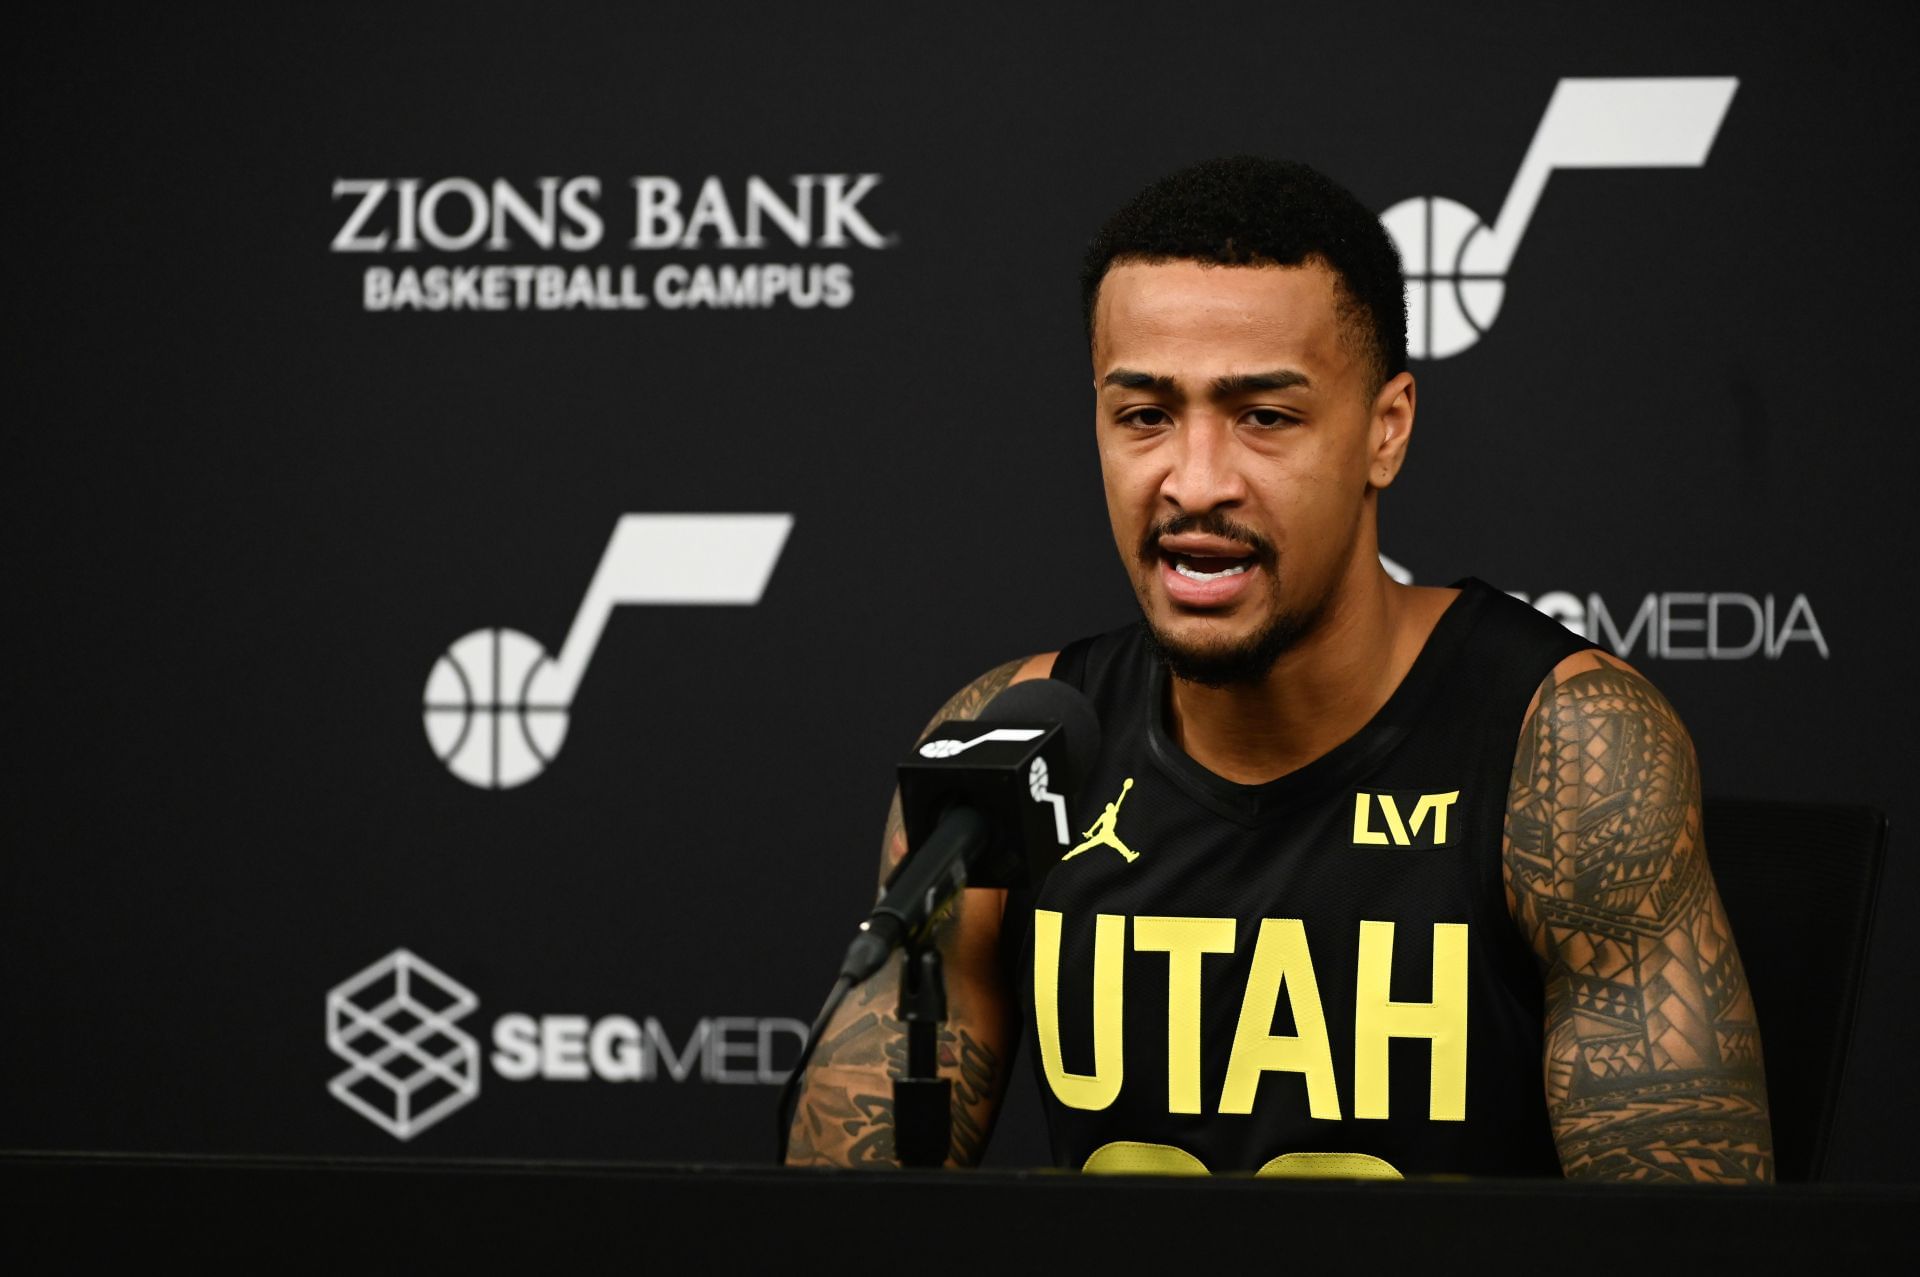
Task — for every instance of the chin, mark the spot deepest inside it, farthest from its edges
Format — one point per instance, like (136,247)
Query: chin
(1202,654)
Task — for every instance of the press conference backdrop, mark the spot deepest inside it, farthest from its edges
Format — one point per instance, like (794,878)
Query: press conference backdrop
(360,691)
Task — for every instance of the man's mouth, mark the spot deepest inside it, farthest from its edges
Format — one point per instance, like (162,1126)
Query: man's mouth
(1208,569)
(1204,571)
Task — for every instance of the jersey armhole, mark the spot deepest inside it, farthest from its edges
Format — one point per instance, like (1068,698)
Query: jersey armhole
(1070,664)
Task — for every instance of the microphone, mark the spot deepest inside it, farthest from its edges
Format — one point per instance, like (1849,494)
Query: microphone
(985,805)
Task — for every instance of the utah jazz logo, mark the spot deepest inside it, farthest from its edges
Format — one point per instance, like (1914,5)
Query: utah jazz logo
(1103,833)
(1456,263)
(1406,819)
(497,702)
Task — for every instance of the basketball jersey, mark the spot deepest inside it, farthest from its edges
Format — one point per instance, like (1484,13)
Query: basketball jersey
(1314,974)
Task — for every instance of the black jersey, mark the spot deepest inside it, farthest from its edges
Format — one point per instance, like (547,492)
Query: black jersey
(1317,973)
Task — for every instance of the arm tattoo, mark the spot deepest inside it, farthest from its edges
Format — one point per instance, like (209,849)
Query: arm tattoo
(1652,1060)
(845,1112)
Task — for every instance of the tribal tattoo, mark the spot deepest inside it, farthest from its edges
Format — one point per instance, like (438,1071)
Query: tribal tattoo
(1652,1059)
(845,1112)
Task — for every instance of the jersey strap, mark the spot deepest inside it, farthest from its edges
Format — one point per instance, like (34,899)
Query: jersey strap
(1070,663)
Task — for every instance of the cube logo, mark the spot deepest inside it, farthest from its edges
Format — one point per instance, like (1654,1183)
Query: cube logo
(394,1024)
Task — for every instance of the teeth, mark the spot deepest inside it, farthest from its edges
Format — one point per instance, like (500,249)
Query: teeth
(1192,575)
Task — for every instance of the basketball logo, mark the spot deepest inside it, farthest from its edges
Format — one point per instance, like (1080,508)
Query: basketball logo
(486,716)
(497,703)
(1452,295)
(1456,264)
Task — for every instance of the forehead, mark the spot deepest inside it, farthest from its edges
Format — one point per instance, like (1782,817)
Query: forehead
(1197,320)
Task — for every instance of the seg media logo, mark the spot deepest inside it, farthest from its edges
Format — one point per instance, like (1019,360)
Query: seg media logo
(595,265)
(1679,625)
(1456,264)
(1689,625)
(394,1022)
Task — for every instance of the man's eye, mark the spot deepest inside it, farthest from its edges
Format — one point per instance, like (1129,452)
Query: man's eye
(1149,418)
(1269,418)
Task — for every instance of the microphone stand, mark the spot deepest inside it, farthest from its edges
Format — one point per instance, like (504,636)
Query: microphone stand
(922,1099)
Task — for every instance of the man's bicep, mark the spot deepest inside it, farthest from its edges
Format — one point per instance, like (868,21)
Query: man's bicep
(1652,1053)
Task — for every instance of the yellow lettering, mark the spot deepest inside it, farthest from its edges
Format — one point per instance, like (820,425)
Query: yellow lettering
(1396,828)
(1079,1090)
(1185,941)
(1362,834)
(1281,960)
(1377,1018)
(1329,1166)
(1130,1157)
(1439,805)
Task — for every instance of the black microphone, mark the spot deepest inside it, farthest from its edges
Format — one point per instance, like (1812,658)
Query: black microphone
(985,804)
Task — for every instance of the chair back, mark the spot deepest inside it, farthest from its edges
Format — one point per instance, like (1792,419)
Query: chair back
(1799,881)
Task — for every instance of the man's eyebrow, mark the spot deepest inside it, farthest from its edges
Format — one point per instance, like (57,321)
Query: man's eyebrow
(1248,383)
(1129,379)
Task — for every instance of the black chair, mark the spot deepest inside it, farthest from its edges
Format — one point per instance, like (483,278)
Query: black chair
(1799,881)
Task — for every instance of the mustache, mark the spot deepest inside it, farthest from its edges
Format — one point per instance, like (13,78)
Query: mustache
(1213,523)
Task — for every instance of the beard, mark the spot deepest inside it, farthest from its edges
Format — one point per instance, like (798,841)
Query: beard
(1231,662)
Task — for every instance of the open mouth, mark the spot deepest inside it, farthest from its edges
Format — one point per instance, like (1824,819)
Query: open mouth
(1208,567)
(1202,571)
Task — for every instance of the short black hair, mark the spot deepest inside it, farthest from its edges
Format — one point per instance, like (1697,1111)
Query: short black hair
(1244,210)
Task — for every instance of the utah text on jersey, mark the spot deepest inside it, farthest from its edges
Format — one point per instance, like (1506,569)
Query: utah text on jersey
(1282,967)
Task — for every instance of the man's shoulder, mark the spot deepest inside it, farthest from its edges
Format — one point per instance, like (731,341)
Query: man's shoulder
(977,694)
(1593,690)
(1604,760)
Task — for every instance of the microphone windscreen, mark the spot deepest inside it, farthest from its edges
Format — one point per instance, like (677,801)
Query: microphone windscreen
(1048,700)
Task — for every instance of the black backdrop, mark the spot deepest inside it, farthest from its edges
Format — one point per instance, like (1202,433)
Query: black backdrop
(245,515)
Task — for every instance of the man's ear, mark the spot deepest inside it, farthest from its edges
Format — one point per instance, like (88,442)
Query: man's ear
(1390,430)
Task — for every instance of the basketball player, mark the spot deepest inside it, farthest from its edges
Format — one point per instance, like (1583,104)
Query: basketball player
(1385,879)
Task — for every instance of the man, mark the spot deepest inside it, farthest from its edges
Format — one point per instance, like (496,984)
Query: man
(1377,879)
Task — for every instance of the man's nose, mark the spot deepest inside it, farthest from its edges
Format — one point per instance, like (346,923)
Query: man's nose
(1203,471)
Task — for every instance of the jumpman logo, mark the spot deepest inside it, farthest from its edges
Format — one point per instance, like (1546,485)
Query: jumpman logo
(1102,834)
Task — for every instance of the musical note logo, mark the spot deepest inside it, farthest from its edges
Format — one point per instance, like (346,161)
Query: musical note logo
(948,748)
(1456,265)
(496,702)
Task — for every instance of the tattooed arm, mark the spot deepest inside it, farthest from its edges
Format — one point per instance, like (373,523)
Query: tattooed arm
(1652,1056)
(845,1112)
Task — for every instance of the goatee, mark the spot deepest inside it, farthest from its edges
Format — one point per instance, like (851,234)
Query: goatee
(1231,664)
(1215,664)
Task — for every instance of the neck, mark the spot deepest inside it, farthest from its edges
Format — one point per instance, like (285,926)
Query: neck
(1320,692)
